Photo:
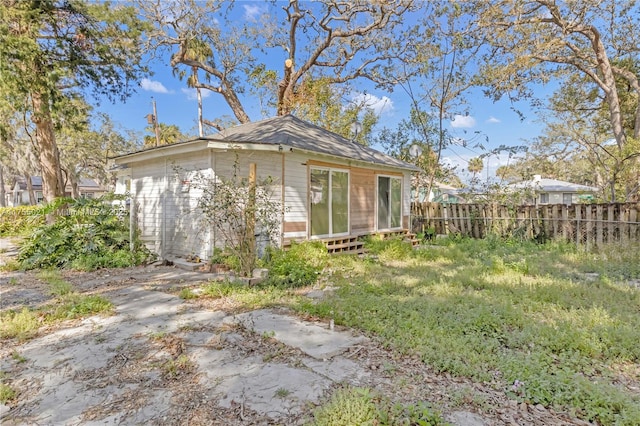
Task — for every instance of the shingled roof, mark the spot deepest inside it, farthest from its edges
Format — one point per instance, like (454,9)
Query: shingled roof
(290,131)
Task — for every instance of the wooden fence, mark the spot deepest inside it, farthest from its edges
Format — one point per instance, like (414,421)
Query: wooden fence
(588,224)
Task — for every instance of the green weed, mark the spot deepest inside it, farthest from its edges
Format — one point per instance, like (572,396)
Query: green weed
(18,357)
(20,325)
(24,324)
(282,393)
(7,393)
(57,285)
(175,367)
(187,294)
(363,406)
(10,266)
(297,267)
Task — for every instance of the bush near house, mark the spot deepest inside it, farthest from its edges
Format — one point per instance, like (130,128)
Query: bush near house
(297,267)
(86,234)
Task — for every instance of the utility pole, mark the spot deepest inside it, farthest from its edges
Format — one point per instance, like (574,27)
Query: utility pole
(200,132)
(155,122)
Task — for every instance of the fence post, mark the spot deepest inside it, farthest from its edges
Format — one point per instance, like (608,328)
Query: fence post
(132,224)
(578,224)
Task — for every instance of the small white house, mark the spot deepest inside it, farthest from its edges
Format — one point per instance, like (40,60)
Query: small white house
(553,191)
(87,188)
(328,186)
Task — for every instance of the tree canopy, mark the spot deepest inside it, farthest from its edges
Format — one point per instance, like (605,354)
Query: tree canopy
(51,50)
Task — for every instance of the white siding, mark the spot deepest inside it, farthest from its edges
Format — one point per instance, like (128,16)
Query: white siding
(295,187)
(166,213)
(147,186)
(187,231)
(268,167)
(406,196)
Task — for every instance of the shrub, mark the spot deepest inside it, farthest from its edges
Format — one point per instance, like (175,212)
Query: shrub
(86,234)
(20,220)
(299,266)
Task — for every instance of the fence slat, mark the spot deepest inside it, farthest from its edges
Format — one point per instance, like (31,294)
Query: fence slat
(590,224)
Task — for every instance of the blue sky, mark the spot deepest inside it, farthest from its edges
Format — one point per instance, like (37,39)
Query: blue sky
(488,123)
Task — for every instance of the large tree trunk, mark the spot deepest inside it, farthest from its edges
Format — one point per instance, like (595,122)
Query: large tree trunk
(32,195)
(52,183)
(73,183)
(3,195)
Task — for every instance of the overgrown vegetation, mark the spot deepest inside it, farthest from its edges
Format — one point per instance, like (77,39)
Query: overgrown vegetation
(549,324)
(21,220)
(69,304)
(363,406)
(239,208)
(298,266)
(86,234)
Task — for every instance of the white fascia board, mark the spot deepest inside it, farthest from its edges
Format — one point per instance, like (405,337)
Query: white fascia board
(161,152)
(354,161)
(246,146)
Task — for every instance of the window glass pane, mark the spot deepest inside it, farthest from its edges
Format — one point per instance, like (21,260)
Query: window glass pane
(396,203)
(567,198)
(319,202)
(383,202)
(339,202)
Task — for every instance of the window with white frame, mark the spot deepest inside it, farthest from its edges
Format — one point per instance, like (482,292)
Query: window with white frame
(544,198)
(389,202)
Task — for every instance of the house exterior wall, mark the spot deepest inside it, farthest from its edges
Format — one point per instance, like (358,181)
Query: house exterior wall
(167,198)
(167,190)
(362,195)
(559,197)
(295,196)
(166,205)
(363,200)
(269,176)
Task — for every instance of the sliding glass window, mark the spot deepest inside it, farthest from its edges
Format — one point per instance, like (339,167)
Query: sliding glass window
(389,202)
(329,202)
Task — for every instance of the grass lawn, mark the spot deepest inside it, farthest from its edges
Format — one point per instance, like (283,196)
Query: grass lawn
(533,320)
(546,324)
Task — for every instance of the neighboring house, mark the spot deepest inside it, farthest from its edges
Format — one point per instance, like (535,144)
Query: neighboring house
(329,186)
(20,193)
(553,191)
(87,188)
(440,193)
(8,196)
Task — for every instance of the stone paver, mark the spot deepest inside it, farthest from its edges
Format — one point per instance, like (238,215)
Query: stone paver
(315,340)
(66,376)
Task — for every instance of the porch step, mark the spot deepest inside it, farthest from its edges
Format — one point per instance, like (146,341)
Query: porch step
(344,245)
(404,233)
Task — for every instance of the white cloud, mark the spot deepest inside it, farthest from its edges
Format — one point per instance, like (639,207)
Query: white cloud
(383,105)
(192,94)
(252,12)
(463,121)
(492,119)
(153,86)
